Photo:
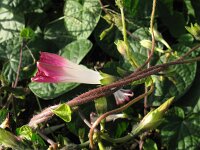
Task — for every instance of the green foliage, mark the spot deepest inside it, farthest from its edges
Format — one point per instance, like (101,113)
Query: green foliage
(28,134)
(10,25)
(8,139)
(181,131)
(90,33)
(27,33)
(175,81)
(3,114)
(10,50)
(64,112)
(81,17)
(150,145)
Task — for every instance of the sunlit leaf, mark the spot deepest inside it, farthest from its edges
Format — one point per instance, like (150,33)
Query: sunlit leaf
(64,112)
(3,114)
(27,133)
(81,17)
(8,139)
(10,55)
(10,24)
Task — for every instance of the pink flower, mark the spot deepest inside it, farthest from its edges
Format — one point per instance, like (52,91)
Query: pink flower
(122,95)
(53,68)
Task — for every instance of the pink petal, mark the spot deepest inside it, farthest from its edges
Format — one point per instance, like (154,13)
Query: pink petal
(53,59)
(54,68)
(122,95)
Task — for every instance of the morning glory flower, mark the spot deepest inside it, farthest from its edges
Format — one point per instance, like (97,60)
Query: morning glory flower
(122,96)
(53,68)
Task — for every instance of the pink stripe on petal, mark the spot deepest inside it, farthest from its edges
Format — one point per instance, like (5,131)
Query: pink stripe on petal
(50,70)
(54,68)
(52,59)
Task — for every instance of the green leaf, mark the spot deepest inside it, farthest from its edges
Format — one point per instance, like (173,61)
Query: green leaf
(81,17)
(190,9)
(75,52)
(10,53)
(27,133)
(27,33)
(186,39)
(3,114)
(139,53)
(57,33)
(101,105)
(107,43)
(149,144)
(8,139)
(181,131)
(132,6)
(191,100)
(18,92)
(121,127)
(25,6)
(176,82)
(10,24)
(64,112)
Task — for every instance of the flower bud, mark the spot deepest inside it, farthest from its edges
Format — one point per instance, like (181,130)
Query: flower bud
(148,44)
(153,118)
(119,3)
(122,48)
(158,37)
(194,30)
(157,34)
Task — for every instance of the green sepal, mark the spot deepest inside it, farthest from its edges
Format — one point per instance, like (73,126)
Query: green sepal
(154,117)
(101,105)
(107,79)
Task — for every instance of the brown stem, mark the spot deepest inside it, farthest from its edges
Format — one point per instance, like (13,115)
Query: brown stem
(106,90)
(96,123)
(51,142)
(189,52)
(152,36)
(19,65)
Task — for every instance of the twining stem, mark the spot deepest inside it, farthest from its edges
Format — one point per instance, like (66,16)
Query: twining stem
(123,26)
(14,85)
(152,35)
(107,90)
(150,54)
(19,65)
(96,123)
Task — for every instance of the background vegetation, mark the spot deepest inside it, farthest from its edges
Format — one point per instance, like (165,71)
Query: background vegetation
(72,29)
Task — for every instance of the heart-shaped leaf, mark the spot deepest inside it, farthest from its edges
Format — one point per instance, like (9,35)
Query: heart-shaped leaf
(81,17)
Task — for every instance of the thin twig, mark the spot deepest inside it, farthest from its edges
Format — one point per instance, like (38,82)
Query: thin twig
(83,118)
(152,35)
(19,65)
(51,142)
